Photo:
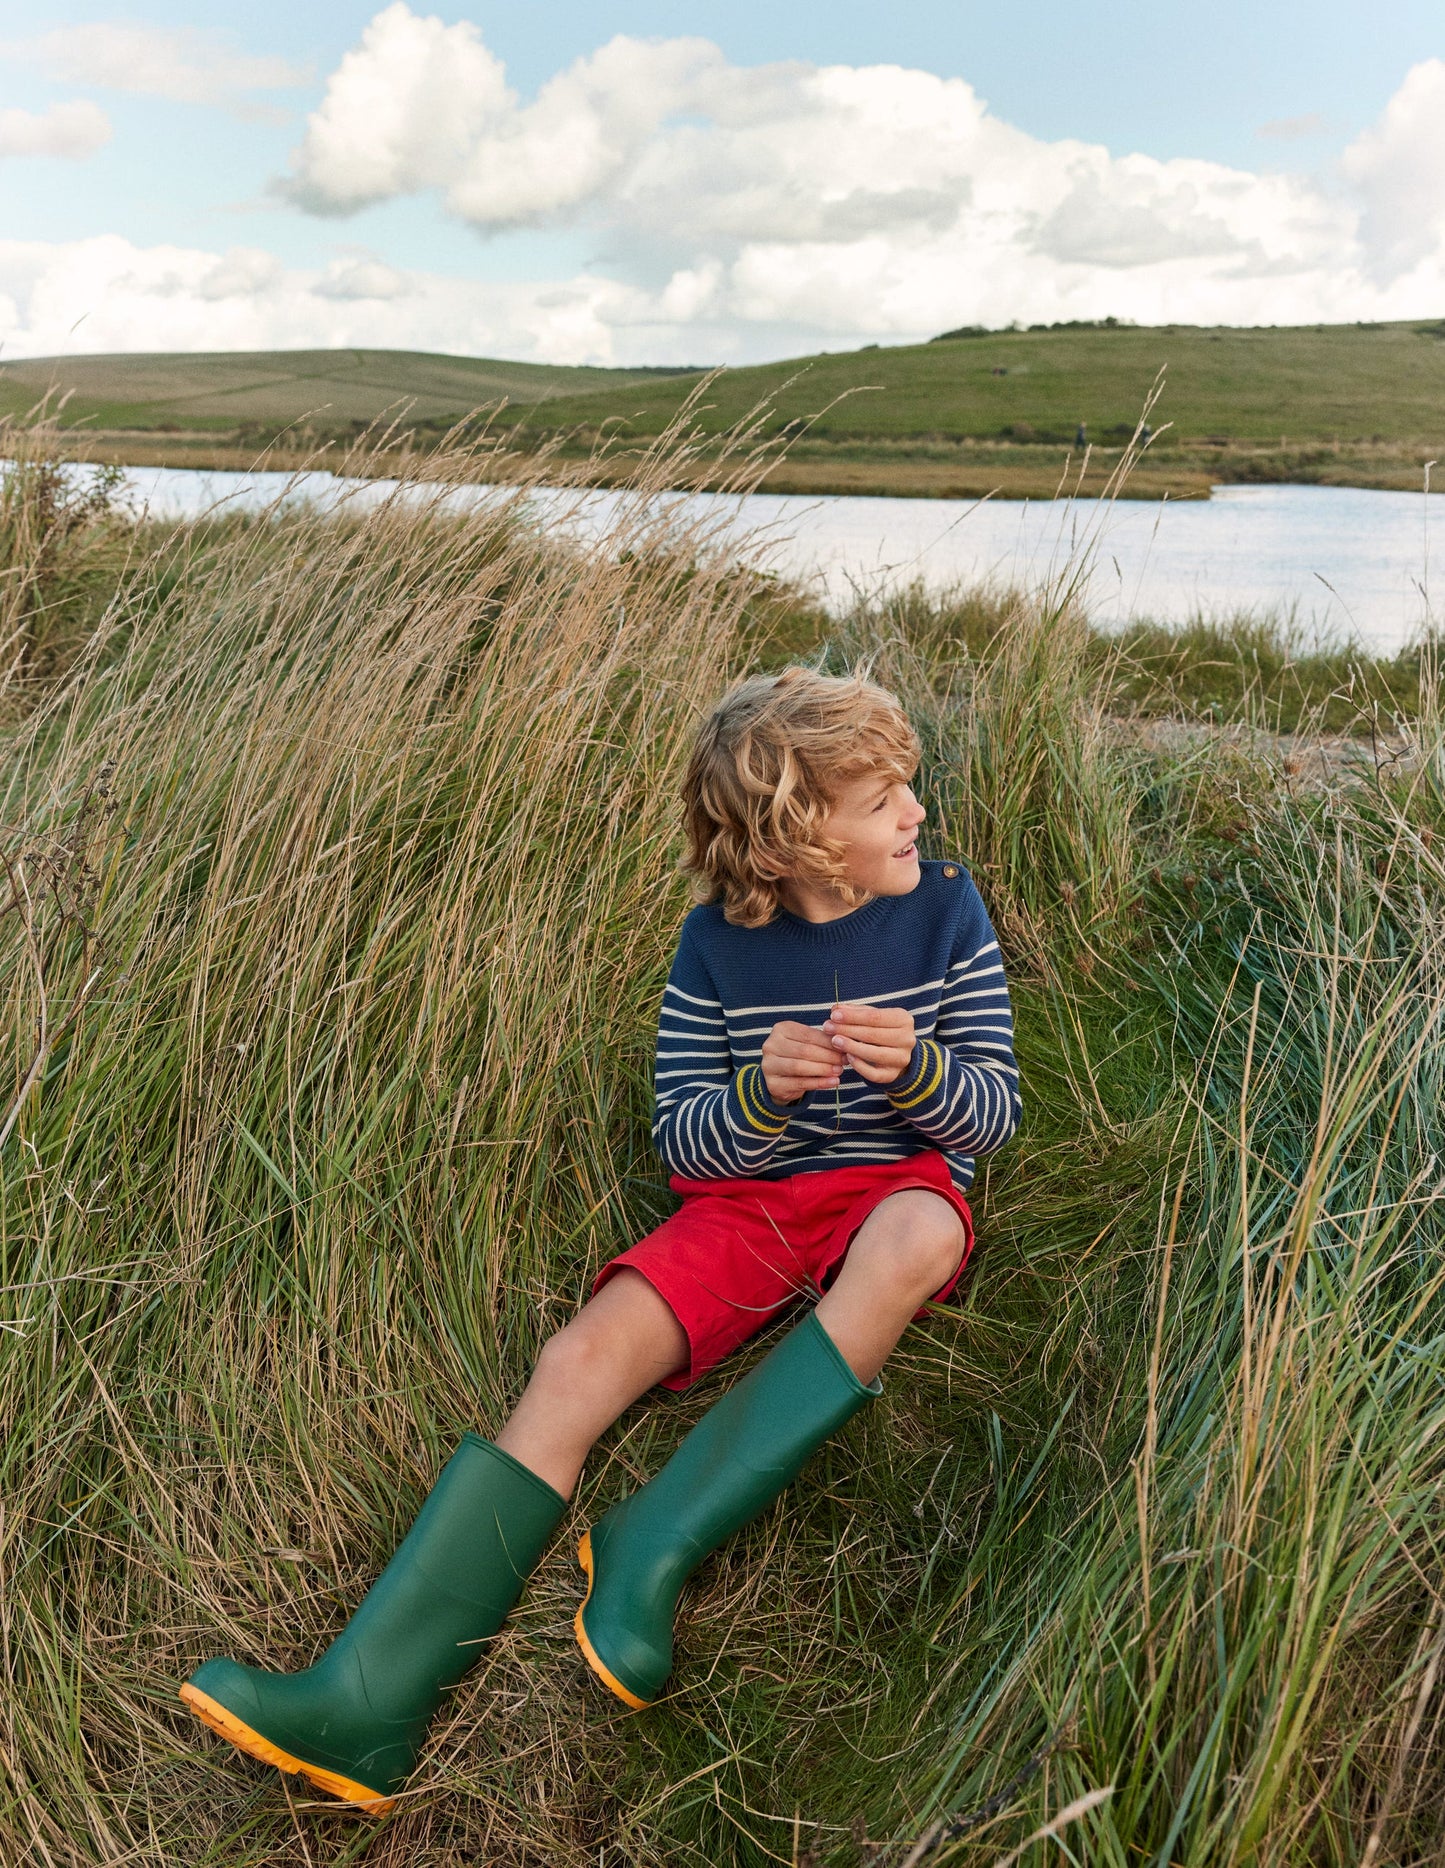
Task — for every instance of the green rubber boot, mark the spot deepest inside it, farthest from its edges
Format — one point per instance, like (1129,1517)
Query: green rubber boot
(737,1459)
(354,1722)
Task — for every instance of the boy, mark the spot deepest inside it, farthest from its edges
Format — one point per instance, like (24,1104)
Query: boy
(834,1049)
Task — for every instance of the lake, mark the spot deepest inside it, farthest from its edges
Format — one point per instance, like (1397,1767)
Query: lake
(1346,563)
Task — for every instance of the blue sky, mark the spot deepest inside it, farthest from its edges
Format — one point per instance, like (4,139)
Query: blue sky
(1238,163)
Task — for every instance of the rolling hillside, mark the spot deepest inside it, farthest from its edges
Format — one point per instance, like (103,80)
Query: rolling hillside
(969,413)
(1371,383)
(219,392)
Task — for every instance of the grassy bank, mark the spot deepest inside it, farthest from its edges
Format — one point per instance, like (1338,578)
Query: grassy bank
(863,469)
(972,413)
(870,470)
(341,861)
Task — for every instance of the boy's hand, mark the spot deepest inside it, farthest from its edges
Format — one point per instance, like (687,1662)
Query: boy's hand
(876,1039)
(796,1059)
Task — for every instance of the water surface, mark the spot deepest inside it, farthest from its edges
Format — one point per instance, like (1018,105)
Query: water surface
(1344,562)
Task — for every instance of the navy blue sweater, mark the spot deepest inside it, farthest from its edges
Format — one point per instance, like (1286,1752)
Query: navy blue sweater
(932,952)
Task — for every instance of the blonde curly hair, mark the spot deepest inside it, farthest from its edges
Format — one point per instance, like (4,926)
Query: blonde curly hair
(764,773)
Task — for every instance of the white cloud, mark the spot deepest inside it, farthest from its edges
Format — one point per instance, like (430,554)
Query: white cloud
(75,129)
(107,294)
(420,104)
(400,114)
(789,200)
(241,272)
(184,63)
(738,213)
(584,132)
(362,276)
(1398,169)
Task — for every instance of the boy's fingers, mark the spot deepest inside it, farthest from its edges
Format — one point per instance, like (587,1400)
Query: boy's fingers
(816,1050)
(876,1016)
(876,1072)
(873,1050)
(819,1066)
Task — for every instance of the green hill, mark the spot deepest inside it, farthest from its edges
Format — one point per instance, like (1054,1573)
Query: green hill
(220,392)
(969,413)
(1326,382)
(973,412)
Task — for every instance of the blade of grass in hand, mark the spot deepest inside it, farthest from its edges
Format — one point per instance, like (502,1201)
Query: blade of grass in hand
(838,1090)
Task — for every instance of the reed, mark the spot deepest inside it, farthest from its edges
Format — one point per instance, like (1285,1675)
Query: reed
(1241,1634)
(64,542)
(342,858)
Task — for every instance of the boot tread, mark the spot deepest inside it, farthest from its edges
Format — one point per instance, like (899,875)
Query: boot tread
(589,1653)
(212,1713)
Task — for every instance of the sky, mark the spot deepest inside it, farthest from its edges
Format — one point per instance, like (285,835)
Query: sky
(643,182)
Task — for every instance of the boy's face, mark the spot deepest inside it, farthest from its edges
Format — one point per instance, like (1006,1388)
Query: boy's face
(876,817)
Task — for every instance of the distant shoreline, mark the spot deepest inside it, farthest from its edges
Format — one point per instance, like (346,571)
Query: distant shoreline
(1006,473)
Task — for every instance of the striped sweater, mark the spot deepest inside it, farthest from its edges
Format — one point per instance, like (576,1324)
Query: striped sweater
(932,952)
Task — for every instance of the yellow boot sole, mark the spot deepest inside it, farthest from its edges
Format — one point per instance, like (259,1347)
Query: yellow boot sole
(210,1712)
(589,1653)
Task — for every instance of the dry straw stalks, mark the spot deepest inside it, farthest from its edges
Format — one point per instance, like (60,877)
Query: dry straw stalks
(341,1094)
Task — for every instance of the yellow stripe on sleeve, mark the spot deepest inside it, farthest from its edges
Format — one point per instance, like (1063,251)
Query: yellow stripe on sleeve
(763,1120)
(930,1075)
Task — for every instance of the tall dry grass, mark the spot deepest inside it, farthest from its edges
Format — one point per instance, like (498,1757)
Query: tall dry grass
(386,893)
(64,540)
(342,888)
(1241,1637)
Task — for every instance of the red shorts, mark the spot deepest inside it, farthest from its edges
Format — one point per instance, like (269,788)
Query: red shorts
(739,1251)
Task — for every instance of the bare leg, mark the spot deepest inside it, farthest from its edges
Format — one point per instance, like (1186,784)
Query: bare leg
(627,1338)
(907,1248)
(619,1345)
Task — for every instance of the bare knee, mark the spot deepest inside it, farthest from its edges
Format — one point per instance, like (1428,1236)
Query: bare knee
(617,1346)
(577,1360)
(914,1240)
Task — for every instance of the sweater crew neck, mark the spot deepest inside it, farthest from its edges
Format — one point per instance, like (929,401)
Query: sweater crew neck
(841,928)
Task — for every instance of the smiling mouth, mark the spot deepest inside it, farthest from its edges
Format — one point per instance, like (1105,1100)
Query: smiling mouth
(909,849)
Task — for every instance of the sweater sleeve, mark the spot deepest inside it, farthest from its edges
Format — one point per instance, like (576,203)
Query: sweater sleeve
(961,1086)
(710,1122)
